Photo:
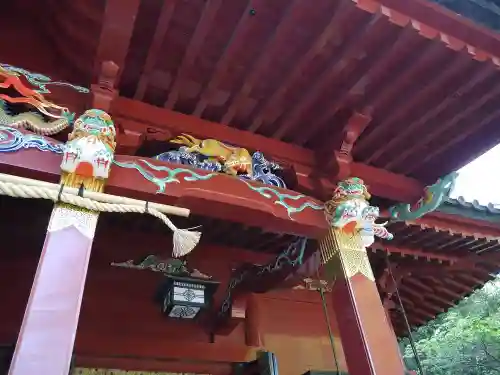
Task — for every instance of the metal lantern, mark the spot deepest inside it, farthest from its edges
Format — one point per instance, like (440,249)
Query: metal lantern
(184,297)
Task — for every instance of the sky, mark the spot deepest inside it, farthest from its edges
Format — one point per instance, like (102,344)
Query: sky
(480,179)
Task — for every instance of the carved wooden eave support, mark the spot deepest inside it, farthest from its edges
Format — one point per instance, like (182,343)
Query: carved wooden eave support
(335,157)
(104,92)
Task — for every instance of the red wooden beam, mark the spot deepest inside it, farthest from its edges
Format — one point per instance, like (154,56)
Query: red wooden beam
(199,35)
(166,13)
(337,151)
(292,12)
(156,123)
(95,344)
(479,76)
(222,196)
(222,65)
(441,79)
(461,224)
(479,38)
(348,50)
(416,253)
(328,33)
(367,69)
(116,33)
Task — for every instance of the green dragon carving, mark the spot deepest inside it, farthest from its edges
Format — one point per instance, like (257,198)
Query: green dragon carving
(434,196)
(34,121)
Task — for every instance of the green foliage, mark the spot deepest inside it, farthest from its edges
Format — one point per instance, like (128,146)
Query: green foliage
(465,340)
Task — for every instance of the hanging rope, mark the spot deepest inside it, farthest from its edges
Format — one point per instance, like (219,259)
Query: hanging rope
(405,317)
(327,319)
(184,240)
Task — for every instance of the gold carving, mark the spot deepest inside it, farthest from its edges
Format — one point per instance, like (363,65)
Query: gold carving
(234,159)
(66,215)
(346,249)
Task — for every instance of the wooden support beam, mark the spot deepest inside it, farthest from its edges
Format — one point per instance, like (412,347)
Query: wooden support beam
(116,33)
(221,68)
(460,224)
(290,18)
(387,247)
(166,14)
(317,48)
(195,44)
(47,335)
(346,52)
(337,150)
(161,124)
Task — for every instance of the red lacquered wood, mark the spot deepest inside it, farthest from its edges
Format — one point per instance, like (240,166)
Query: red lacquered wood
(367,336)
(45,342)
(220,196)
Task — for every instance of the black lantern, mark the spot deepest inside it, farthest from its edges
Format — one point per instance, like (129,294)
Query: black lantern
(184,297)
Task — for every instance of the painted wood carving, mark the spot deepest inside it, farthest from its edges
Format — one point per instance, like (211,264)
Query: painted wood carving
(350,211)
(21,106)
(434,196)
(216,156)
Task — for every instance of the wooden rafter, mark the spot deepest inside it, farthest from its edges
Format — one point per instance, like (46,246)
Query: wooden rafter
(317,47)
(280,30)
(355,87)
(348,50)
(479,76)
(442,78)
(459,136)
(222,64)
(399,79)
(116,33)
(195,44)
(404,251)
(166,14)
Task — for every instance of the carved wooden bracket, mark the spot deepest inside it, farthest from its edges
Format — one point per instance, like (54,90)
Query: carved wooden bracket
(104,92)
(337,153)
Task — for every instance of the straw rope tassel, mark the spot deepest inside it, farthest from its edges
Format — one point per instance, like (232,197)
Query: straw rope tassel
(184,240)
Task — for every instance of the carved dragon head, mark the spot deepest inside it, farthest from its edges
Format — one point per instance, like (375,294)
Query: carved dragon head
(350,211)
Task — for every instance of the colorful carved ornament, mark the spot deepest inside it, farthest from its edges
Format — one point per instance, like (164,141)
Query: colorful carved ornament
(171,266)
(162,175)
(434,196)
(350,211)
(40,81)
(216,156)
(88,154)
(12,140)
(48,118)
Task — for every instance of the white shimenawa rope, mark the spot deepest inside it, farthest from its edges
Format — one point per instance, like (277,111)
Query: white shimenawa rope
(184,239)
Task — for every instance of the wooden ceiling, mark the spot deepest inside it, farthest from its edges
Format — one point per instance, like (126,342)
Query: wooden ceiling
(298,73)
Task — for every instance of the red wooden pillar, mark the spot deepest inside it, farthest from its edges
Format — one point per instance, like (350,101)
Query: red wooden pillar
(46,339)
(367,337)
